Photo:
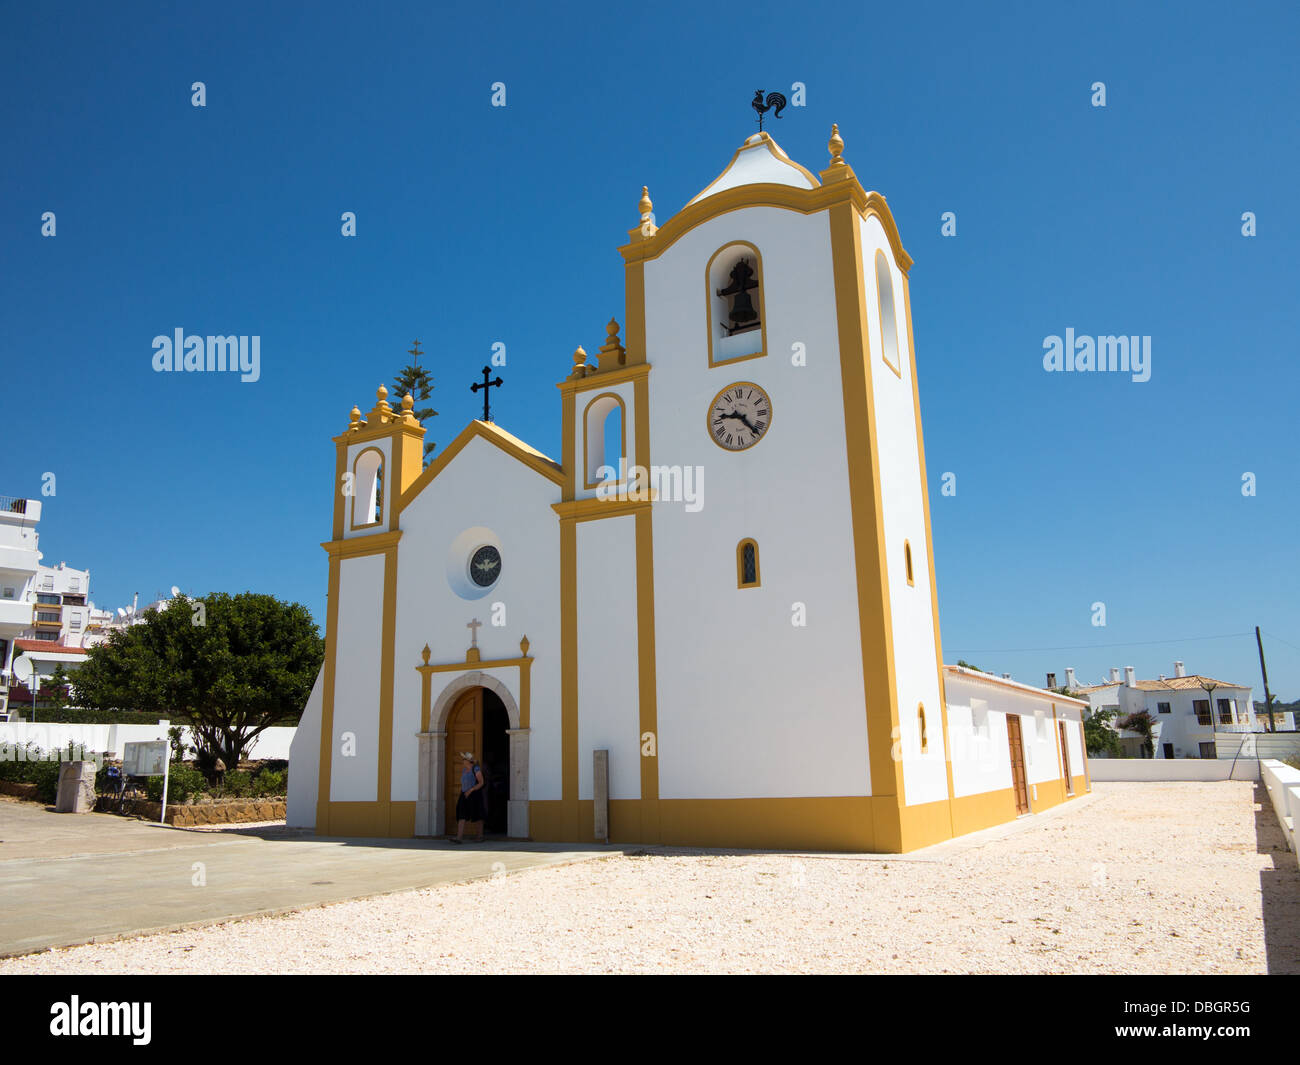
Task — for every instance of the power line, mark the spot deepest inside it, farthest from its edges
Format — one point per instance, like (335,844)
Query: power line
(1090,646)
(1280,640)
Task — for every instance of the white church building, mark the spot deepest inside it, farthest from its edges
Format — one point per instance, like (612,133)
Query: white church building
(712,619)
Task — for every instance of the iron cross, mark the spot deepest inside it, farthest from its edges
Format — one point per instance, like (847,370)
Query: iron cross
(485,386)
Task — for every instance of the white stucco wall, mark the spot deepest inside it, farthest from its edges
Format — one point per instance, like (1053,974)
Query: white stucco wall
(748,704)
(481,488)
(925,777)
(356,679)
(304,762)
(608,678)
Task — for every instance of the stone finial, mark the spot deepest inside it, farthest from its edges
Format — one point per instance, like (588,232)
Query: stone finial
(646,207)
(836,146)
(523,647)
(407,403)
(355,418)
(580,367)
(612,351)
(425,654)
(381,394)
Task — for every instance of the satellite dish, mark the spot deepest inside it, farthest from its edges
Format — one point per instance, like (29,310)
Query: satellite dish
(175,591)
(24,668)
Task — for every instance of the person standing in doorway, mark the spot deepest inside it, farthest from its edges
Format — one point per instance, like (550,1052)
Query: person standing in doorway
(469,806)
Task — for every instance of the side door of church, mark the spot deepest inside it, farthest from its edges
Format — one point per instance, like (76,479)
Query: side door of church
(464,733)
(1016,744)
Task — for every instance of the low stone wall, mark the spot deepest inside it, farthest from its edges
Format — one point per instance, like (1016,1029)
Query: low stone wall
(1173,768)
(1283,784)
(215,813)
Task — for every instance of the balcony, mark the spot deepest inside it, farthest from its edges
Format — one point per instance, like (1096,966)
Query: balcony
(15,612)
(14,510)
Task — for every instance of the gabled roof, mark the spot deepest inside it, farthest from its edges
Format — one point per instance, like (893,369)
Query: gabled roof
(1015,685)
(498,437)
(759,161)
(1169,684)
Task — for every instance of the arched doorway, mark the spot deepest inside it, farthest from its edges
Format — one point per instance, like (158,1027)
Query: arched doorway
(478,722)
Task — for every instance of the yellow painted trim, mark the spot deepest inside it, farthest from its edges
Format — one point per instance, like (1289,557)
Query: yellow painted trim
(384,493)
(586,431)
(647,686)
(708,416)
(775,150)
(787,197)
(740,565)
(762,303)
(534,460)
(357,546)
(877,259)
(929,544)
(568,447)
(604,378)
(875,630)
(524,664)
(634,312)
(595,507)
(387,659)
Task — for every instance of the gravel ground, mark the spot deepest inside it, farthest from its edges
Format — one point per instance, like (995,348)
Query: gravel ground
(1144,878)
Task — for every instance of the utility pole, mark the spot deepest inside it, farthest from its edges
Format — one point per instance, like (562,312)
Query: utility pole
(1268,699)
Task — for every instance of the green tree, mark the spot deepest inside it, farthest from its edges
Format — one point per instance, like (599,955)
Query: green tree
(966,665)
(233,665)
(1142,724)
(57,696)
(1098,734)
(414,380)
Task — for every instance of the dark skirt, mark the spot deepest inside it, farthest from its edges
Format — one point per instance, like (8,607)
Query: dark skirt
(470,807)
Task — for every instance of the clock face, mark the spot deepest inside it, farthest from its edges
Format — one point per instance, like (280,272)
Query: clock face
(739,416)
(485,566)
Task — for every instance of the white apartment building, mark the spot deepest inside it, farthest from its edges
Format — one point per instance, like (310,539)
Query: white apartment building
(1186,709)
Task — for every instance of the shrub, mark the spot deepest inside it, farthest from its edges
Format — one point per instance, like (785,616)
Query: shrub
(238,783)
(182,783)
(270,782)
(35,766)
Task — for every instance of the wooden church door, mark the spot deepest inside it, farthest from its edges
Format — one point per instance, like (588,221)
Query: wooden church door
(464,733)
(1017,764)
(1065,761)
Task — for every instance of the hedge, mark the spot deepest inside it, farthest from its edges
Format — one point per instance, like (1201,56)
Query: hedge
(35,767)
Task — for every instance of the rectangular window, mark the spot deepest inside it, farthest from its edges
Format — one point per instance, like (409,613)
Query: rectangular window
(9,593)
(1169,750)
(1202,708)
(45,615)
(74,623)
(47,635)
(50,600)
(1163,708)
(1225,711)
(1208,750)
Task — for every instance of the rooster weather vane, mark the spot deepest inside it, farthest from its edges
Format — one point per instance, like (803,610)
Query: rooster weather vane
(775,103)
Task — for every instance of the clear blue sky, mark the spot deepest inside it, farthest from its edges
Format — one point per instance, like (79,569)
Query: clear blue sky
(480,224)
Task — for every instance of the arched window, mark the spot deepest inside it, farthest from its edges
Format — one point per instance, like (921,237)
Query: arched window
(605,439)
(907,560)
(734,294)
(888,319)
(920,720)
(368,488)
(747,564)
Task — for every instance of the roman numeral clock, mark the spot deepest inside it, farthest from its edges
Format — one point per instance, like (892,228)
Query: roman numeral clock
(739,416)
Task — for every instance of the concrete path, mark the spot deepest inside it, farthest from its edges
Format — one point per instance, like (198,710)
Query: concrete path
(67,879)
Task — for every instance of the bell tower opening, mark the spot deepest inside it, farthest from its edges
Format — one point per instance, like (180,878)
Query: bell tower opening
(737,324)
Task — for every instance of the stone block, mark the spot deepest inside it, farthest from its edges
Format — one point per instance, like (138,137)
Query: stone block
(76,794)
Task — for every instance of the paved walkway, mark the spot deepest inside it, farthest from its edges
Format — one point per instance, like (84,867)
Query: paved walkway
(68,879)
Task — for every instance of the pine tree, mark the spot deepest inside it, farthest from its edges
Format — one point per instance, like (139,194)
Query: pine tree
(416,381)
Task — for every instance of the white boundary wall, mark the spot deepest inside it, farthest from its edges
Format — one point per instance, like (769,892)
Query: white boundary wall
(272,743)
(1173,768)
(1283,784)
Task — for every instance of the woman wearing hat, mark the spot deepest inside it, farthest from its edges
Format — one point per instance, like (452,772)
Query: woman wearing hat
(469,806)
